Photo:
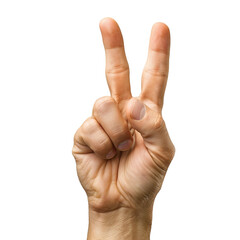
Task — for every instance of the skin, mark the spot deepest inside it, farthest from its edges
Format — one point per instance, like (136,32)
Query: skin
(122,181)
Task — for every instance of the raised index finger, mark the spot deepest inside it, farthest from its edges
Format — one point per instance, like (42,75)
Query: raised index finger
(117,69)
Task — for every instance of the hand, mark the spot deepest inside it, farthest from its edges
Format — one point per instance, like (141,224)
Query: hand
(123,150)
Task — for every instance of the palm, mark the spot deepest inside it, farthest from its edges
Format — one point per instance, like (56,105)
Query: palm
(107,182)
(132,177)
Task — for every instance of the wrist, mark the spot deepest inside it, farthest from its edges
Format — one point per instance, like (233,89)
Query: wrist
(122,223)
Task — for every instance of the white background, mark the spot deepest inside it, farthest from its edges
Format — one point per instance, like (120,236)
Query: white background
(51,72)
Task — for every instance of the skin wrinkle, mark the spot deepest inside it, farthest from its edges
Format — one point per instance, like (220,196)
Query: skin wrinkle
(124,194)
(117,69)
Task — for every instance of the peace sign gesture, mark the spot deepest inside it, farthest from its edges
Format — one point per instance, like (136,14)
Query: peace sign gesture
(123,150)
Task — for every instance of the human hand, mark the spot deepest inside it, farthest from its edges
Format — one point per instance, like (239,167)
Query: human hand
(123,150)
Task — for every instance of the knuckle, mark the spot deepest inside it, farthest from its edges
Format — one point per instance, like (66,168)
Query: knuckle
(102,104)
(117,68)
(77,136)
(156,73)
(89,125)
(173,151)
(169,153)
(158,123)
(103,146)
(166,155)
(75,150)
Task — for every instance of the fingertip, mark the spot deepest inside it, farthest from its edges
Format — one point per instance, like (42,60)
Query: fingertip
(106,20)
(160,37)
(111,33)
(111,154)
(162,27)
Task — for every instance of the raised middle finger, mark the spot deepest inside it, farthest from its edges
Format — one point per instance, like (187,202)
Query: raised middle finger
(155,73)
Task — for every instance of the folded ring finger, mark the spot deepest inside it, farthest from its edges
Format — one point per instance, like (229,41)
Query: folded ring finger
(107,113)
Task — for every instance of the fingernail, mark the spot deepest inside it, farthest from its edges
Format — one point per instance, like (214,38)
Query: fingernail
(138,110)
(125,145)
(111,154)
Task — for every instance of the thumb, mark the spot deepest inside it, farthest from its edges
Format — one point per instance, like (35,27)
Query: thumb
(151,126)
